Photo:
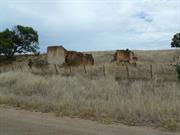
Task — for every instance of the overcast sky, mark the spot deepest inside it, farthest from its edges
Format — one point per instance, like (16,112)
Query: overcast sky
(88,25)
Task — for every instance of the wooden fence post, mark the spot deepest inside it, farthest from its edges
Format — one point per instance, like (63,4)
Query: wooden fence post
(20,68)
(127,70)
(151,71)
(70,70)
(104,71)
(56,68)
(12,68)
(174,59)
(85,71)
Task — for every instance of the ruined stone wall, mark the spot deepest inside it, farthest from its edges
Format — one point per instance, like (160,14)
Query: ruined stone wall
(55,54)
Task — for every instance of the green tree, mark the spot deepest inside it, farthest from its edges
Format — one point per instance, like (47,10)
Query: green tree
(176,40)
(6,42)
(18,40)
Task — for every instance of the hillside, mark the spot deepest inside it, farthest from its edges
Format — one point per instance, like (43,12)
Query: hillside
(146,94)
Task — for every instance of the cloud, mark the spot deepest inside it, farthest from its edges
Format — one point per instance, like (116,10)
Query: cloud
(144,16)
(96,24)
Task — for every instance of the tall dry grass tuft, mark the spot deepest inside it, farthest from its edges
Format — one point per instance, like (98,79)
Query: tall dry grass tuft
(104,99)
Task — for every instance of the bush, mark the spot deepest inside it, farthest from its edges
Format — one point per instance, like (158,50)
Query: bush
(178,71)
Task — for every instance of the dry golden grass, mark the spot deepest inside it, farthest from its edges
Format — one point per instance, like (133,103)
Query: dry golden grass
(104,99)
(138,100)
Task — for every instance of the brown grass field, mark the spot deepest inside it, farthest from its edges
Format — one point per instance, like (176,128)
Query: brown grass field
(148,94)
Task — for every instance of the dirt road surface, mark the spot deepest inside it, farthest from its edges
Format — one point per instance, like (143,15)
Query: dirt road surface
(20,122)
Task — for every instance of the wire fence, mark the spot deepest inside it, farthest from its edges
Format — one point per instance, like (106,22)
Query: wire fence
(126,71)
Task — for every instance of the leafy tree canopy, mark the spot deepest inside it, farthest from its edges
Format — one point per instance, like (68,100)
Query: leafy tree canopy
(176,40)
(18,40)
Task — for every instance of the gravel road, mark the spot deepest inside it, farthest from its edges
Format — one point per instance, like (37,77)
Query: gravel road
(20,122)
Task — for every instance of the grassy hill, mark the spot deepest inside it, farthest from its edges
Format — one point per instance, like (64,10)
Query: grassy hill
(106,92)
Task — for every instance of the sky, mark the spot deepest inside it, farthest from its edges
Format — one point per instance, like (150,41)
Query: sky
(95,25)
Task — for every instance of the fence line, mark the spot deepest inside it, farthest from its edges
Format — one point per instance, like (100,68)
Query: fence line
(127,71)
